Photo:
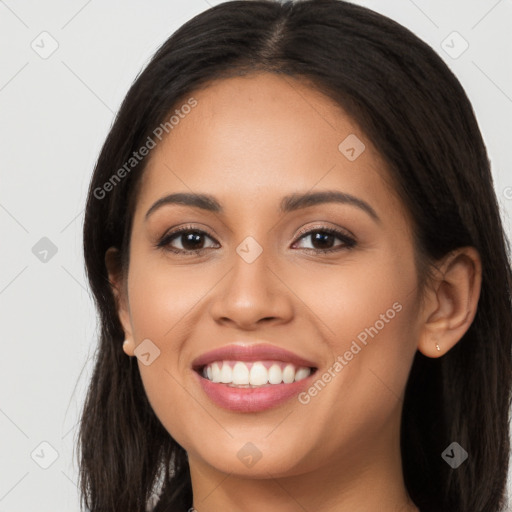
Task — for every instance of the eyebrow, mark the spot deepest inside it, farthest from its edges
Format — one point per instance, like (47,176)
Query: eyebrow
(289,203)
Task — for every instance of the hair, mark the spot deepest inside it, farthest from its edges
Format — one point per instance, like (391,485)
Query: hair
(416,113)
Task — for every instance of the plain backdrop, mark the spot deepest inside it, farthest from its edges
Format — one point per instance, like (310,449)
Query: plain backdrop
(56,109)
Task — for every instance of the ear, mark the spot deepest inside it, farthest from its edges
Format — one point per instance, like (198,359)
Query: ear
(451,302)
(117,284)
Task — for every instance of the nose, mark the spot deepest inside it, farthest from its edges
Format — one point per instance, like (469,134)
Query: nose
(252,294)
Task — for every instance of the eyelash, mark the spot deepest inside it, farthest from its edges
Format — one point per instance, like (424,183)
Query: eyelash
(348,242)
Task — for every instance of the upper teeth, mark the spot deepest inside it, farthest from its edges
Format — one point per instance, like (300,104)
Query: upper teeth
(254,373)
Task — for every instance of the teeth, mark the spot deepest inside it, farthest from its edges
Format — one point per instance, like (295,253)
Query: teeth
(240,374)
(254,374)
(275,374)
(302,373)
(289,374)
(226,374)
(215,372)
(259,374)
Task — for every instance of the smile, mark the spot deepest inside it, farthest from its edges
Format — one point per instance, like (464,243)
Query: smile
(252,378)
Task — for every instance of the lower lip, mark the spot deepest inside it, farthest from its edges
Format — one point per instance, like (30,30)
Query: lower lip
(252,399)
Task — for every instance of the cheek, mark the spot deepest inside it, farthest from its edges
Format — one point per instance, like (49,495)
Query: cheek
(161,298)
(162,295)
(166,299)
(368,311)
(368,291)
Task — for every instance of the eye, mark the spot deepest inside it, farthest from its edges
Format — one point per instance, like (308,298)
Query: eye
(191,240)
(325,237)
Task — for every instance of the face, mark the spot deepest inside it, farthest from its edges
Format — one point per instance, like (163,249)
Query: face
(320,294)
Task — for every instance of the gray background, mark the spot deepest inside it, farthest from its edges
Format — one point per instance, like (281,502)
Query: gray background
(55,114)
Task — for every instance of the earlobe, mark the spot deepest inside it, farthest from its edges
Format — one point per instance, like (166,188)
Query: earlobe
(451,302)
(115,277)
(128,347)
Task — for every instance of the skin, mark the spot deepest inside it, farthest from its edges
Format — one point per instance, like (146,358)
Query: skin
(250,141)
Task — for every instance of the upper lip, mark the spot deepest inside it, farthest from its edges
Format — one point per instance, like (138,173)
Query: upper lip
(253,352)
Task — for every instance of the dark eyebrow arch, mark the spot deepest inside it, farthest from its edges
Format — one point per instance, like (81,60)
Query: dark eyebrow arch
(289,203)
(298,201)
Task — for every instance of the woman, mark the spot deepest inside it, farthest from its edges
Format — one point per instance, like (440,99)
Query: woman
(303,281)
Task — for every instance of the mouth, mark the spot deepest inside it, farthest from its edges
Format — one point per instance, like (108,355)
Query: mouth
(252,378)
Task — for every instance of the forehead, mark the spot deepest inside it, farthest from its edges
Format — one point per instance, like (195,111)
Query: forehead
(262,133)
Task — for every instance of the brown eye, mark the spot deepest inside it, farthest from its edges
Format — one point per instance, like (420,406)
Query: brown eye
(323,240)
(187,240)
